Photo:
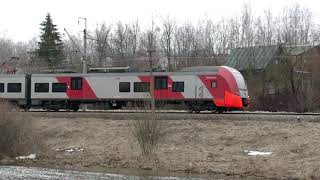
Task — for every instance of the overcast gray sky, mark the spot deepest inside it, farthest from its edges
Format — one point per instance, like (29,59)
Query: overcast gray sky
(20,19)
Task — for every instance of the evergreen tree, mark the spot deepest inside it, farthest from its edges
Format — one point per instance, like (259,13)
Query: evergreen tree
(50,45)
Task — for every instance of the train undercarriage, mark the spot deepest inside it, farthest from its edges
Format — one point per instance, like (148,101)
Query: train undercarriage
(192,106)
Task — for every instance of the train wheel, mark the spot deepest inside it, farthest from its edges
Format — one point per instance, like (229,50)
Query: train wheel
(74,108)
(213,111)
(25,108)
(220,110)
(190,111)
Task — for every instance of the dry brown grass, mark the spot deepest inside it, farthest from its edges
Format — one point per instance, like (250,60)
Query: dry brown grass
(148,133)
(16,135)
(195,146)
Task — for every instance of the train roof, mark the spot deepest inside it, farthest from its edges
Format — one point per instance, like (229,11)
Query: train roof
(203,70)
(199,70)
(12,75)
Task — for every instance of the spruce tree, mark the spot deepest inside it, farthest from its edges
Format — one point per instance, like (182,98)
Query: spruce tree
(50,45)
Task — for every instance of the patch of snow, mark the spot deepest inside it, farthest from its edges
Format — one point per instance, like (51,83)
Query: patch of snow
(70,150)
(21,173)
(31,156)
(257,153)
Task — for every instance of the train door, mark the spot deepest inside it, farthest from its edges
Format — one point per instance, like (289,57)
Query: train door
(198,88)
(161,87)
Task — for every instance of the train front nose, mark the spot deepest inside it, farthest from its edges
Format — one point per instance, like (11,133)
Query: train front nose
(242,88)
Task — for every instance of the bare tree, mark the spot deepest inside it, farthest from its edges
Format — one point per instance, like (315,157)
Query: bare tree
(6,49)
(101,42)
(234,33)
(133,38)
(295,26)
(120,38)
(209,40)
(149,44)
(168,25)
(222,37)
(246,27)
(185,38)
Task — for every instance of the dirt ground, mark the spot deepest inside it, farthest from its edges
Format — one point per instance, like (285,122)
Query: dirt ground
(197,146)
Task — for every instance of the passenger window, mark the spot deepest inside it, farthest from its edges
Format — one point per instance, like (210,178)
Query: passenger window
(76,83)
(41,87)
(1,87)
(178,87)
(141,87)
(59,87)
(14,87)
(213,84)
(161,82)
(124,86)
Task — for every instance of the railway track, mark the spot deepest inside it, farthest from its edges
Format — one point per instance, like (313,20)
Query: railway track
(179,115)
(180,112)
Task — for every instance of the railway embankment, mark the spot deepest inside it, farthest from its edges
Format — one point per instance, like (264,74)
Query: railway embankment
(269,146)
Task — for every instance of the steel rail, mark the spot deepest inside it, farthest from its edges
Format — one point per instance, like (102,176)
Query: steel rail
(182,112)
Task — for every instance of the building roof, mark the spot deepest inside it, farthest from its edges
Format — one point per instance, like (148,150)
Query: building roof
(256,57)
(297,50)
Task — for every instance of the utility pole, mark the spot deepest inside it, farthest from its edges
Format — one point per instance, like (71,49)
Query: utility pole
(84,58)
(150,51)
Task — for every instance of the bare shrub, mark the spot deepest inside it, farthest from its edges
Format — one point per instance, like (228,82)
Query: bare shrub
(147,133)
(16,136)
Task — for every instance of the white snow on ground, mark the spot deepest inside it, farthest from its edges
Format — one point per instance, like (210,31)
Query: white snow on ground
(31,156)
(75,149)
(257,153)
(20,172)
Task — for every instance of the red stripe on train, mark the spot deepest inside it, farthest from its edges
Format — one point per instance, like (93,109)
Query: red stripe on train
(86,92)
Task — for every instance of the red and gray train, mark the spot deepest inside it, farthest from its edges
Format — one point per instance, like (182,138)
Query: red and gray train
(213,88)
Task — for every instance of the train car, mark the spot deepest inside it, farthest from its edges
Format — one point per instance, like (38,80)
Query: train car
(211,88)
(13,87)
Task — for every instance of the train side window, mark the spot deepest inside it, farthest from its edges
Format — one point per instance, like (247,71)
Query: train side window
(1,87)
(141,87)
(59,87)
(178,87)
(124,86)
(76,83)
(41,87)
(14,87)
(161,82)
(213,84)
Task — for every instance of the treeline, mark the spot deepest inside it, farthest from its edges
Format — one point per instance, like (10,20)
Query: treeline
(181,44)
